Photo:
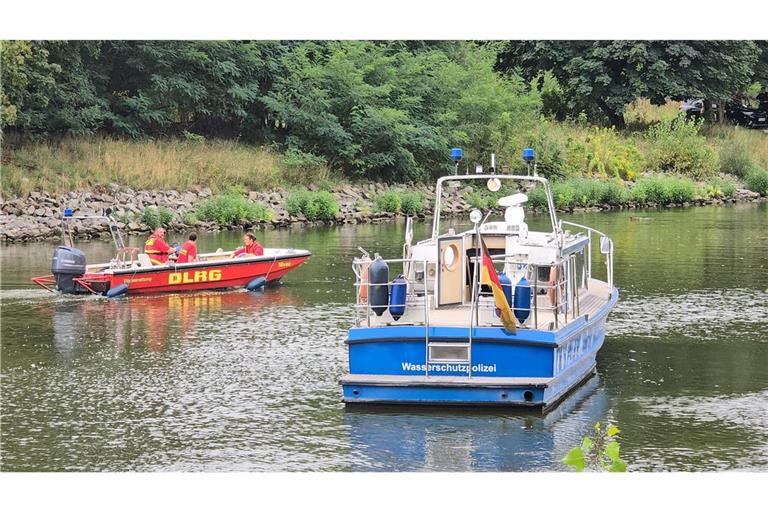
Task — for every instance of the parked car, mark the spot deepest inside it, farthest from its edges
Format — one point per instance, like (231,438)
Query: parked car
(736,111)
(744,115)
(693,108)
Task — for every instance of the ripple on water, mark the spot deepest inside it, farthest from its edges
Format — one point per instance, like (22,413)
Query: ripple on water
(707,315)
(730,430)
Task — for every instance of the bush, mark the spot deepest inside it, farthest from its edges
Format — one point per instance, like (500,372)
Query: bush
(477,200)
(717,188)
(314,205)
(323,206)
(232,208)
(757,181)
(412,203)
(735,158)
(608,155)
(676,146)
(297,202)
(299,160)
(563,195)
(190,219)
(537,198)
(614,193)
(389,202)
(585,192)
(156,217)
(663,190)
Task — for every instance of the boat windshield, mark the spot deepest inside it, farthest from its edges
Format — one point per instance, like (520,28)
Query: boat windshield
(501,185)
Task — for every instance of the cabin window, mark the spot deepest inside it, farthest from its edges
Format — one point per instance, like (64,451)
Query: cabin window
(451,257)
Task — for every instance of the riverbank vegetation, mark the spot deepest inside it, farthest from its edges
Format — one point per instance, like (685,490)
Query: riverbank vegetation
(319,205)
(231,207)
(258,115)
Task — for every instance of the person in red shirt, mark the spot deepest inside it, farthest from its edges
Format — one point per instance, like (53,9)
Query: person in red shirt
(252,247)
(157,248)
(188,252)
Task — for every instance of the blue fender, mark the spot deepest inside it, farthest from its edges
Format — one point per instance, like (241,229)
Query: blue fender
(117,291)
(256,284)
(522,300)
(397,297)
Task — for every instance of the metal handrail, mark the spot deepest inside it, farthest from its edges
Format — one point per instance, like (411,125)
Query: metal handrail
(561,290)
(609,255)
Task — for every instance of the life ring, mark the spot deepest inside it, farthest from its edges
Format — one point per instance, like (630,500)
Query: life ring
(365,263)
(553,278)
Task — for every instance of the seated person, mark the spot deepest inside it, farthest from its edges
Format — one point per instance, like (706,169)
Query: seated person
(252,247)
(157,248)
(188,252)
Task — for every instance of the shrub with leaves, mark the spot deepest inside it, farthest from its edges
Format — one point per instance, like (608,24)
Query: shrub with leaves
(537,198)
(717,188)
(412,203)
(232,208)
(588,192)
(156,217)
(736,158)
(676,146)
(757,181)
(608,155)
(663,190)
(313,205)
(389,201)
(598,453)
(190,219)
(297,202)
(477,200)
(563,195)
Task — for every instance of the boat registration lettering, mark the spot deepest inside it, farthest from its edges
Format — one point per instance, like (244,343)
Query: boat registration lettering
(284,264)
(138,280)
(199,276)
(448,367)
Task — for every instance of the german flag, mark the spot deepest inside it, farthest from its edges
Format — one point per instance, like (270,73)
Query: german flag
(489,277)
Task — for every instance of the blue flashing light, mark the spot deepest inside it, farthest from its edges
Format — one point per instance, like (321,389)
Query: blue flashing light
(456,154)
(528,155)
(68,212)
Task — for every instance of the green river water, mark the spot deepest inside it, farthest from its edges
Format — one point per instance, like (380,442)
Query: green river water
(238,381)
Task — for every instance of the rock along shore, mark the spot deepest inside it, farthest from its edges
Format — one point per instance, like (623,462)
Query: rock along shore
(37,216)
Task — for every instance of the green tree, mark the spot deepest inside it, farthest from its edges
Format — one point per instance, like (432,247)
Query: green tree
(601,77)
(384,110)
(28,81)
(205,87)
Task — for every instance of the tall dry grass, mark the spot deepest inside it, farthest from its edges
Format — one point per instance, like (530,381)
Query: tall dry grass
(75,163)
(640,114)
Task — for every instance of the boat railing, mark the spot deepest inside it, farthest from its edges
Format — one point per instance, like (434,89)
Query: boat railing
(554,299)
(606,248)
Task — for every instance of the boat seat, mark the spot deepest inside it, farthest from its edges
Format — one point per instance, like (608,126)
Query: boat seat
(144,260)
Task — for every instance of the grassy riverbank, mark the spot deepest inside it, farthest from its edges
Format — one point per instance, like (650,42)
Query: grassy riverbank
(81,163)
(655,142)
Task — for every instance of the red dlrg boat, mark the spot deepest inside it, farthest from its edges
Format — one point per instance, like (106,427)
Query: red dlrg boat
(131,272)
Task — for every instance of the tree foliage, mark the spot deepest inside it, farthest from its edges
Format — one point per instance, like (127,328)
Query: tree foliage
(601,78)
(384,110)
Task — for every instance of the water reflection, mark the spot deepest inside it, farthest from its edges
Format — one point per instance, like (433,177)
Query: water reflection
(154,321)
(419,439)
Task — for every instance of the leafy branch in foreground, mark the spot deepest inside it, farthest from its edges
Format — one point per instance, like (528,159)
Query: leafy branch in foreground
(598,454)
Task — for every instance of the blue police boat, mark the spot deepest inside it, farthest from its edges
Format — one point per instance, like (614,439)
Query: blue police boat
(430,327)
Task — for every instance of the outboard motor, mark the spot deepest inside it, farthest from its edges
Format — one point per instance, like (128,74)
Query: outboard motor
(68,263)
